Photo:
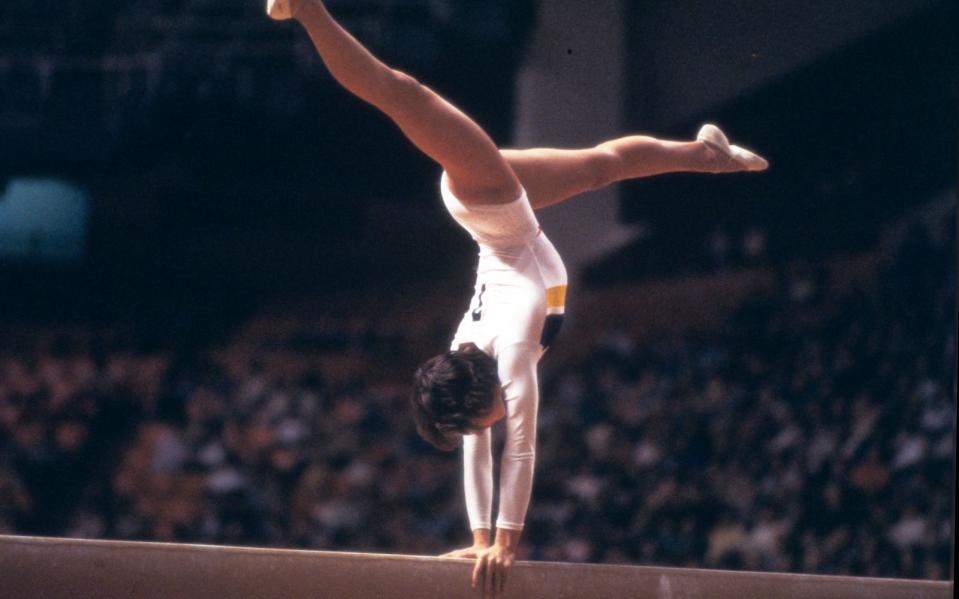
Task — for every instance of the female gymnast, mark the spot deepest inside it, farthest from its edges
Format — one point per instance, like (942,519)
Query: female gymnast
(490,371)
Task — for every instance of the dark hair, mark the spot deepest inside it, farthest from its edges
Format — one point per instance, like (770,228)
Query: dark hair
(450,391)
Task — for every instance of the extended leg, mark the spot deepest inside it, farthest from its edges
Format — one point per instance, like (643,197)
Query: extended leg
(551,176)
(477,172)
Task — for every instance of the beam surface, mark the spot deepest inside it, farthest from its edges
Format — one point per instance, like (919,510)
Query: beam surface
(33,567)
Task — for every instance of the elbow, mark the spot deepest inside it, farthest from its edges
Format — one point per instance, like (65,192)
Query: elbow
(521,445)
(606,167)
(523,458)
(403,79)
(520,454)
(402,87)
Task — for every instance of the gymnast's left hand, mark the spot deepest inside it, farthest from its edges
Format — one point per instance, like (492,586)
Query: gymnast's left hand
(492,569)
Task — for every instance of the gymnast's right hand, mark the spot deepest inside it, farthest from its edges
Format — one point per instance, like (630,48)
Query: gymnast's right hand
(481,542)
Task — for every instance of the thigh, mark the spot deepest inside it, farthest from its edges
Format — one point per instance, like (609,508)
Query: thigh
(478,173)
(551,175)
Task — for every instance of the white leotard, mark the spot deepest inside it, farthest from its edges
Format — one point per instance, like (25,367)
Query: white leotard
(520,281)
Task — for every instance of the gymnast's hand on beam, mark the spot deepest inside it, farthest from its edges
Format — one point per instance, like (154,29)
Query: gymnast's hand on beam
(492,562)
(481,541)
(466,552)
(492,569)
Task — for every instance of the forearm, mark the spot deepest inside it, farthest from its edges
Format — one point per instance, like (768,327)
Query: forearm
(516,483)
(350,63)
(478,479)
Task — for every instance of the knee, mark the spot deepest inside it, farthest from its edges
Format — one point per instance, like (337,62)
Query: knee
(402,87)
(605,166)
(402,80)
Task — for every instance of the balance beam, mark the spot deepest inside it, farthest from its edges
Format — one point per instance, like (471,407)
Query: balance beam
(35,568)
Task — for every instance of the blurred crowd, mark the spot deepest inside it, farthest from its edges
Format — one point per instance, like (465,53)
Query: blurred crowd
(813,434)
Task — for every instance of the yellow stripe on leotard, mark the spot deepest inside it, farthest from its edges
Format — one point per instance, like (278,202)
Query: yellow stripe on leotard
(556,299)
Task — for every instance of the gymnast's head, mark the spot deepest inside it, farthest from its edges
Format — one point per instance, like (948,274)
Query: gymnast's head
(456,393)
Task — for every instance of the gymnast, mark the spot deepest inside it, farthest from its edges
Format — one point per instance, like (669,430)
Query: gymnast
(489,372)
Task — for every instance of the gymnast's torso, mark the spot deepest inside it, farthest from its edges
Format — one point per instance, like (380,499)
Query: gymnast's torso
(520,277)
(517,305)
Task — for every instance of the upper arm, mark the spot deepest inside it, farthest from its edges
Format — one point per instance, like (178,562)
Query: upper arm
(517,371)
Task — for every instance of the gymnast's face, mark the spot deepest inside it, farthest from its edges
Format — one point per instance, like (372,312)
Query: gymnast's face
(496,413)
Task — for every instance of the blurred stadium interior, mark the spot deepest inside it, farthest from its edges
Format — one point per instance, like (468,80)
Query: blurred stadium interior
(762,377)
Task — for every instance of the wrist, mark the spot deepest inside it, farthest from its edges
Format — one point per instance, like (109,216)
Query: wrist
(508,539)
(481,537)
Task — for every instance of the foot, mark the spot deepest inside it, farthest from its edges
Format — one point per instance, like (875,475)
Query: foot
(728,158)
(282,10)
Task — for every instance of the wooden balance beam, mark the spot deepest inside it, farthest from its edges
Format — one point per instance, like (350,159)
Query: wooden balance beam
(34,568)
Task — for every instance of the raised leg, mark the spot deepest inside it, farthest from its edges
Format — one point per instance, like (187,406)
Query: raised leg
(477,172)
(551,175)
